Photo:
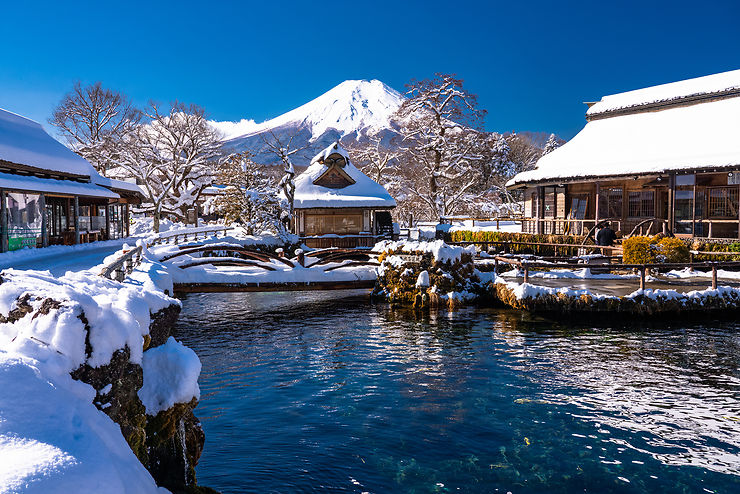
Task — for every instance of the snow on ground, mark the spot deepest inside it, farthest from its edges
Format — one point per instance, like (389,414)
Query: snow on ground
(692,273)
(52,438)
(582,274)
(58,259)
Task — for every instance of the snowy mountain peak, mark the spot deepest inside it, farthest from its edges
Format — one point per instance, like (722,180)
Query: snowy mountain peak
(348,111)
(351,106)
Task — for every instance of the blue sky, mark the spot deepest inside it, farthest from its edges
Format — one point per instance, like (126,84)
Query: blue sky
(532,63)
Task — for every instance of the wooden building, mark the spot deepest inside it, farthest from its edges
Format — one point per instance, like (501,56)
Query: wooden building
(50,195)
(660,159)
(336,205)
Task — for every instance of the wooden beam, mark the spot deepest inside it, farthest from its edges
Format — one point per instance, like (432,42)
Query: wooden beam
(3,222)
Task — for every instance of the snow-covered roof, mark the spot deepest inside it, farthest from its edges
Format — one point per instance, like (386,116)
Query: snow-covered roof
(11,182)
(364,192)
(25,142)
(666,93)
(112,183)
(334,148)
(689,137)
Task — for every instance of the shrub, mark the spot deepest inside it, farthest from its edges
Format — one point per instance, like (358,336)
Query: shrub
(674,250)
(639,250)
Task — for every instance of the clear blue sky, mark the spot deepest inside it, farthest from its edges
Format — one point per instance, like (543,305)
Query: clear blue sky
(531,63)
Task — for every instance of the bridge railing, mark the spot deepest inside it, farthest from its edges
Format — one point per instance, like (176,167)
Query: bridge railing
(128,260)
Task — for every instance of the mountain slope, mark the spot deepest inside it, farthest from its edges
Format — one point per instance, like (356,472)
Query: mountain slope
(348,112)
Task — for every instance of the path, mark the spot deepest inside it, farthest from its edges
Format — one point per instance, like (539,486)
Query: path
(60,259)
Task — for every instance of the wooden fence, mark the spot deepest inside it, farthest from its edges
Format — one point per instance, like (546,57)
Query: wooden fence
(128,260)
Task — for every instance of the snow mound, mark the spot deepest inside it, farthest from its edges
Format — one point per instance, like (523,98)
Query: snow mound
(170,376)
(441,251)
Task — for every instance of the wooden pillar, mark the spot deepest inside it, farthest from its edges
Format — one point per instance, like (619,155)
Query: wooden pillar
(597,212)
(77,219)
(3,222)
(127,220)
(738,210)
(671,202)
(693,210)
(44,221)
(107,221)
(540,208)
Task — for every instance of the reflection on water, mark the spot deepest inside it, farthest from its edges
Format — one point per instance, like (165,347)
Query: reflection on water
(313,392)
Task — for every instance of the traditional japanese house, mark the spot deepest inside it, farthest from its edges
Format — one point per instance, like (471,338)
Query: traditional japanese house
(336,205)
(50,195)
(660,159)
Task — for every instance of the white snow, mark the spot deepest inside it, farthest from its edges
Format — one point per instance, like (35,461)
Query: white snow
(36,184)
(679,138)
(581,274)
(230,130)
(423,280)
(353,105)
(52,438)
(692,273)
(170,376)
(441,251)
(365,192)
(710,84)
(486,226)
(25,142)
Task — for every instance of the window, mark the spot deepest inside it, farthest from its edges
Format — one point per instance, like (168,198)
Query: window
(723,202)
(578,207)
(24,220)
(341,224)
(610,203)
(641,204)
(549,202)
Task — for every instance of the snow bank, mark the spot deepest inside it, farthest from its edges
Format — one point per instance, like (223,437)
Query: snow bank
(580,274)
(52,437)
(54,440)
(170,376)
(438,248)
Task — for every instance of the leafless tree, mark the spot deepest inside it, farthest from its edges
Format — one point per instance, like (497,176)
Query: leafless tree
(93,119)
(441,128)
(375,159)
(284,151)
(173,157)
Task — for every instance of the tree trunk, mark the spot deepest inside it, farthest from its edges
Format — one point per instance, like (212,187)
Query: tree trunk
(155,224)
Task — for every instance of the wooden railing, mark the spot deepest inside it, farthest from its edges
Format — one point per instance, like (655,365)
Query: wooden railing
(128,260)
(526,265)
(508,243)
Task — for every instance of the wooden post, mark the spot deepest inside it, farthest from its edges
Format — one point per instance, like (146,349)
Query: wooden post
(709,234)
(3,222)
(526,272)
(714,276)
(672,202)
(44,221)
(642,277)
(77,219)
(495,265)
(126,221)
(301,257)
(693,210)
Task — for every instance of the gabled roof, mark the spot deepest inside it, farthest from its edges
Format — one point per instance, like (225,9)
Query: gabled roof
(365,192)
(26,146)
(678,137)
(25,142)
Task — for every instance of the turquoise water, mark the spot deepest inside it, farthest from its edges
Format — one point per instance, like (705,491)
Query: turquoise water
(313,393)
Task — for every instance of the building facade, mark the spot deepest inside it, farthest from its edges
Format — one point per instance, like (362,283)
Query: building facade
(336,205)
(664,159)
(50,195)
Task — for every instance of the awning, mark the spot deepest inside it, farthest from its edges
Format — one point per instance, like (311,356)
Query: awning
(21,183)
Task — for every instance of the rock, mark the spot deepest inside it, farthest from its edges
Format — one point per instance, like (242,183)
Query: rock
(161,325)
(174,443)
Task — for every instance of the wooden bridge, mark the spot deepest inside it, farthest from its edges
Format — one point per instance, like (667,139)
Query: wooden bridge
(239,255)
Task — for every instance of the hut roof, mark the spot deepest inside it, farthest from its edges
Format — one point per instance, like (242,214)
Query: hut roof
(687,134)
(364,192)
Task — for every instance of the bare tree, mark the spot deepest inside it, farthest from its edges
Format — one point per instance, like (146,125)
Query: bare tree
(375,159)
(93,119)
(173,157)
(250,197)
(441,127)
(287,184)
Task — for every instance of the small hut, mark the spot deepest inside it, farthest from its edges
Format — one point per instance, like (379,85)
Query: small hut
(336,205)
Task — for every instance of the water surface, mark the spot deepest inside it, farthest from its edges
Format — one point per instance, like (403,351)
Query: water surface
(314,393)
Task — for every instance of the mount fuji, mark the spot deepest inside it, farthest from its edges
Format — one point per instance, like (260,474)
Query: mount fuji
(347,112)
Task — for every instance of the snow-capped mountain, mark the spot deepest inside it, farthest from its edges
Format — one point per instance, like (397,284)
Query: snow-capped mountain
(348,112)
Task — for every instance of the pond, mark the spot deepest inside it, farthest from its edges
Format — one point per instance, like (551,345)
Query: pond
(326,392)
